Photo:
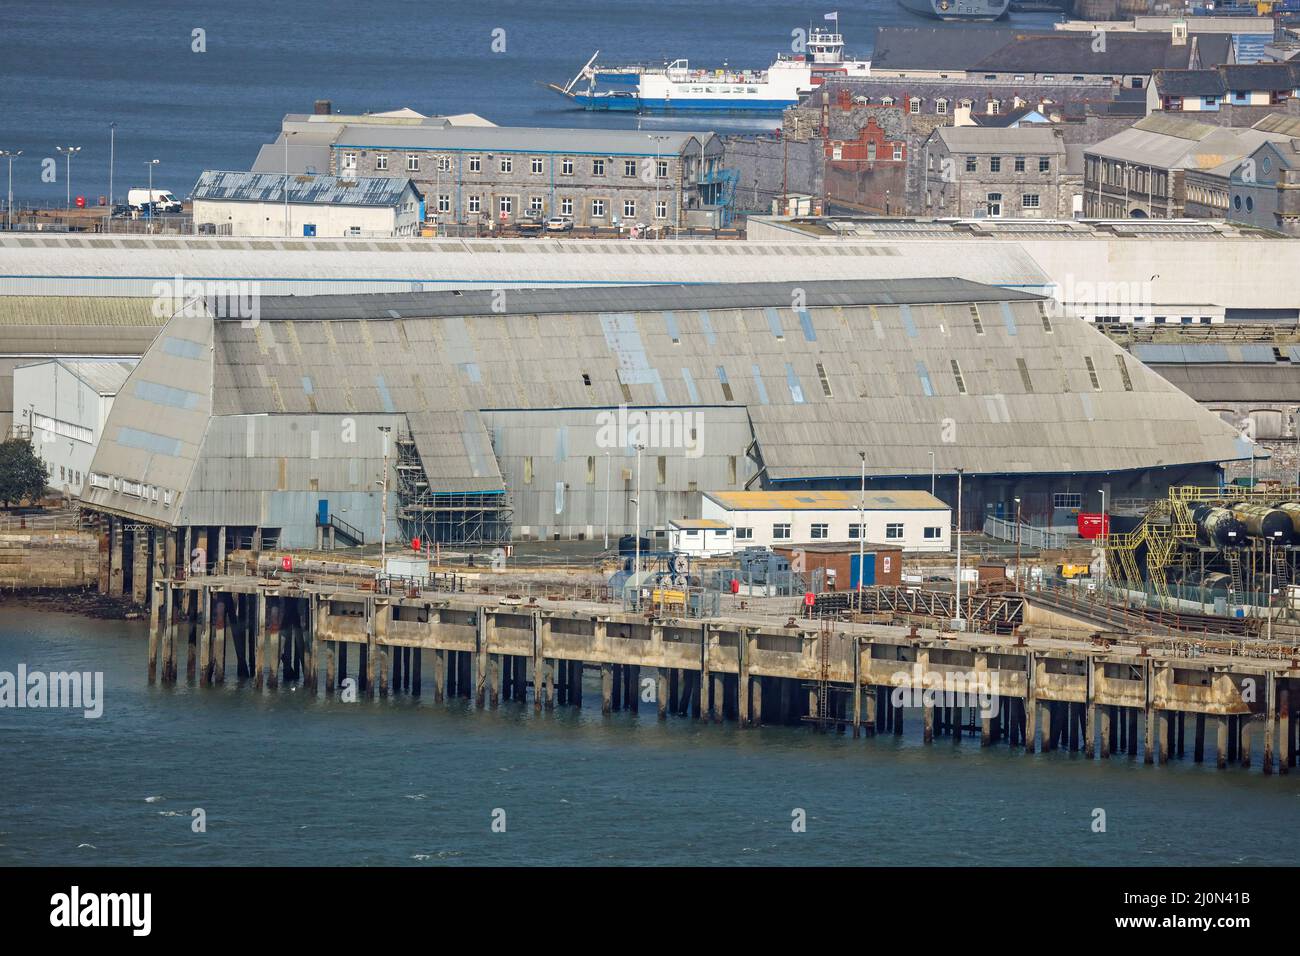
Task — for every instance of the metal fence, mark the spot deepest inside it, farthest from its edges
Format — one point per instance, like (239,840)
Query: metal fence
(1028,536)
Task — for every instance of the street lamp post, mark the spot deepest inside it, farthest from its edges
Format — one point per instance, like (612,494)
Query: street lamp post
(10,155)
(636,567)
(862,526)
(957,618)
(286,182)
(112,159)
(151,164)
(607,492)
(1105,539)
(383,505)
(1018,526)
(68,152)
(931,473)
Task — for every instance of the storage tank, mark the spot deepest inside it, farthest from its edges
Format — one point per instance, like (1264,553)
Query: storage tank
(1218,526)
(1261,521)
(1292,509)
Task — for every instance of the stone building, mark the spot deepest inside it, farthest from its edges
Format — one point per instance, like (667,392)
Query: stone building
(1014,173)
(600,178)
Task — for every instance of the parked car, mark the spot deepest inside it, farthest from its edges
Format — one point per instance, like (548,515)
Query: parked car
(529,226)
(559,224)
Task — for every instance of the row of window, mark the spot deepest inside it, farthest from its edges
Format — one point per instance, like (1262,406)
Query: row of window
(506,164)
(537,204)
(1017,164)
(819,532)
(65,473)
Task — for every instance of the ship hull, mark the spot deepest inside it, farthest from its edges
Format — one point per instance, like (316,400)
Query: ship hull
(957,10)
(634,104)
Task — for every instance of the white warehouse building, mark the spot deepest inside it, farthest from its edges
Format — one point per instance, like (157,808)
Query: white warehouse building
(64,403)
(253,204)
(913,520)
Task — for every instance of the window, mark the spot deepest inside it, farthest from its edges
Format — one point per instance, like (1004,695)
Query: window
(1123,373)
(381,161)
(731,469)
(820,531)
(826,384)
(1024,375)
(597,208)
(506,205)
(1029,201)
(661,209)
(898,152)
(662,467)
(444,202)
(1067,499)
(744,534)
(566,167)
(354,230)
(941,106)
(994,201)
(536,203)
(535,165)
(994,107)
(349,162)
(629,167)
(1047,319)
(933,534)
(970,164)
(1044,164)
(591,469)
(474,204)
(1092,373)
(475,164)
(957,377)
(692,532)
(629,208)
(894,531)
(566,206)
(855,532)
(444,164)
(412,163)
(995,164)
(598,167)
(1020,164)
(914,105)
(528,470)
(975,318)
(506,164)
(780,532)
(661,169)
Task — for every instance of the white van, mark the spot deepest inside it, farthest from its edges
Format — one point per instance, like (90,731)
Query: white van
(163,200)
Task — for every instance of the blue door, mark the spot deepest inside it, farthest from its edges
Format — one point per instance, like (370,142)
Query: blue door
(868,576)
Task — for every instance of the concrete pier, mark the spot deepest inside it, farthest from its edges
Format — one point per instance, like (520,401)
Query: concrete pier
(748,669)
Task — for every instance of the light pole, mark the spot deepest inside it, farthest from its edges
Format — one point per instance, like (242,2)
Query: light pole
(862,526)
(607,491)
(1017,542)
(383,505)
(957,618)
(151,164)
(112,159)
(932,474)
(10,155)
(636,568)
(286,182)
(1105,540)
(658,138)
(68,151)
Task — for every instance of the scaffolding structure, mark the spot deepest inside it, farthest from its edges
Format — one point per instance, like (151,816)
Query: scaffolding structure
(461,518)
(1164,548)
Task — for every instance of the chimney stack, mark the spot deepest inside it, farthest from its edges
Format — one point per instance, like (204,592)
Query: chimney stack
(324,108)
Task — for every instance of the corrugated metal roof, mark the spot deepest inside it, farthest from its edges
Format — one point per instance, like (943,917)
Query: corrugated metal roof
(227,186)
(704,524)
(826,500)
(105,377)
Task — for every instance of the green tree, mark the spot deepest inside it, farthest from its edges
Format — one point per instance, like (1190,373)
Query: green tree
(22,473)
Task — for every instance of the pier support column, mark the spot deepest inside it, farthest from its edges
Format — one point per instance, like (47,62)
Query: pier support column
(981,678)
(157,623)
(705,679)
(330,649)
(1149,723)
(661,692)
(220,624)
(139,565)
(172,624)
(1096,673)
(260,616)
(743,647)
(1164,736)
(205,637)
(1221,750)
(756,705)
(1284,726)
(719,697)
(482,624)
(1198,745)
(116,557)
(1106,731)
(1031,702)
(275,645)
(857,687)
(1245,740)
(1270,720)
(548,666)
(372,650)
(540,626)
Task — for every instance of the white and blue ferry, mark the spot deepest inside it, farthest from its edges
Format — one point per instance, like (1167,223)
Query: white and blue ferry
(679,87)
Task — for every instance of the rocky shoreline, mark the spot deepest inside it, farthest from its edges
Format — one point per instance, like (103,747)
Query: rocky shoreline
(84,601)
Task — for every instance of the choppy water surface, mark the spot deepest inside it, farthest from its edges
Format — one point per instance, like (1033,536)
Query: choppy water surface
(285,779)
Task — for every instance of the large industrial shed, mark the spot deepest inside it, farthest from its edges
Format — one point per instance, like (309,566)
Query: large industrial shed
(502,407)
